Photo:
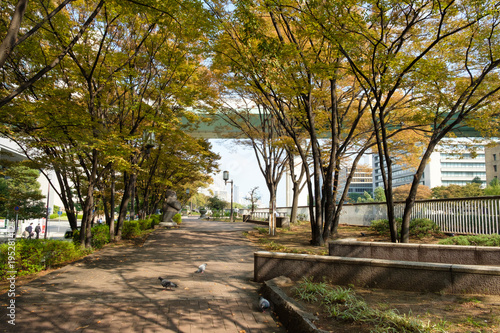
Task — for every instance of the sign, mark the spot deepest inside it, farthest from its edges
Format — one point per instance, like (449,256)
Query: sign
(16,208)
(59,213)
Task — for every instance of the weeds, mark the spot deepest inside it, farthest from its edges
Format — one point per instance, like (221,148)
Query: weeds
(343,304)
(261,230)
(473,322)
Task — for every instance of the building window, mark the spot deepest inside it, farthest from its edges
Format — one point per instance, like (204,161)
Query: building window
(495,168)
(494,157)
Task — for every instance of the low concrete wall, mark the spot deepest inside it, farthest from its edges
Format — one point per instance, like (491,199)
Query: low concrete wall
(446,254)
(378,273)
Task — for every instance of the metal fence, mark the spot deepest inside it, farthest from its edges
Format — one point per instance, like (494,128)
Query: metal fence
(465,215)
(479,215)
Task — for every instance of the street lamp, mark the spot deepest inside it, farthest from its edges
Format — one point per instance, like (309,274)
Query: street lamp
(225,176)
(188,199)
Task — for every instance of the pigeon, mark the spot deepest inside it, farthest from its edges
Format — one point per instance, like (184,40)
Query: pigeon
(201,268)
(264,304)
(167,284)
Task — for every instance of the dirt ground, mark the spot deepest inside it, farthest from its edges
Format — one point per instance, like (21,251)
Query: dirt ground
(449,313)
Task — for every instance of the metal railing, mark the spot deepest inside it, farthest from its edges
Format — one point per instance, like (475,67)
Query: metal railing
(462,215)
(480,215)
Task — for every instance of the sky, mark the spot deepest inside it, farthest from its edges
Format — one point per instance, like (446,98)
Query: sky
(243,169)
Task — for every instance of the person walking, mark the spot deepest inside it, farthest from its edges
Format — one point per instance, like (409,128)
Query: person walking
(37,230)
(29,229)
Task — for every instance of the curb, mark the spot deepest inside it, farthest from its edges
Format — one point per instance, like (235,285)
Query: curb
(290,313)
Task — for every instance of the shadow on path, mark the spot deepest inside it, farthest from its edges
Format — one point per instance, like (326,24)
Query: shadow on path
(117,288)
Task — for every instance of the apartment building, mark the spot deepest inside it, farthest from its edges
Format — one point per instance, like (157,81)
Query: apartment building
(449,164)
(492,160)
(361,182)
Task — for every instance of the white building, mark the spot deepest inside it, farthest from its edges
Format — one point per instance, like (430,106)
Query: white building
(450,164)
(10,151)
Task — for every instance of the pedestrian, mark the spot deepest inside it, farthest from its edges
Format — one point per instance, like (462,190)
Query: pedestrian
(29,229)
(37,230)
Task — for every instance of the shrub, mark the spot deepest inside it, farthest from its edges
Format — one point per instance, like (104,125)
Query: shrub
(418,227)
(34,255)
(100,235)
(58,252)
(474,240)
(177,218)
(145,224)
(156,220)
(382,226)
(76,237)
(423,227)
(131,229)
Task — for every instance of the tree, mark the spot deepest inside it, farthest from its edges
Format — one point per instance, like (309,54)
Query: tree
(477,180)
(274,52)
(135,71)
(19,73)
(216,204)
(400,193)
(379,194)
(264,135)
(446,76)
(178,160)
(253,197)
(366,197)
(493,188)
(19,188)
(469,190)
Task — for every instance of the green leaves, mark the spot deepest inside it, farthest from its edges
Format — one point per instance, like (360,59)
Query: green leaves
(19,187)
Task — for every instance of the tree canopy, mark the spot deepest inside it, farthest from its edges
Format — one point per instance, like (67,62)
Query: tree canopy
(20,188)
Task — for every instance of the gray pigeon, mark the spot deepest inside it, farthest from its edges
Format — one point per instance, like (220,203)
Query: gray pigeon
(167,284)
(264,304)
(201,268)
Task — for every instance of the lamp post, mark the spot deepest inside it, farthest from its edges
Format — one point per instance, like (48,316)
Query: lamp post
(187,194)
(225,176)
(48,211)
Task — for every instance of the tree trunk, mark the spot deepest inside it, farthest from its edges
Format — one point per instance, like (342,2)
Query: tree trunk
(12,31)
(111,220)
(410,200)
(317,237)
(384,157)
(295,203)
(124,204)
(272,215)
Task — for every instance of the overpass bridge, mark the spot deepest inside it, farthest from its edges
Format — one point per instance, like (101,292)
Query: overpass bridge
(215,127)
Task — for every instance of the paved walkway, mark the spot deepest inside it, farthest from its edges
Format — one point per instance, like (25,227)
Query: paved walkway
(117,289)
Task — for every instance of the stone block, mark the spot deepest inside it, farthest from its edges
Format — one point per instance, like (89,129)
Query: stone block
(476,279)
(349,248)
(412,276)
(487,255)
(394,251)
(449,254)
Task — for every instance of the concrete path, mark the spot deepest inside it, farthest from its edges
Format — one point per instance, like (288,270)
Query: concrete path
(117,289)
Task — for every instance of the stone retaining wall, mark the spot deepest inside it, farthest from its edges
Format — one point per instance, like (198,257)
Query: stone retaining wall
(378,273)
(446,254)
